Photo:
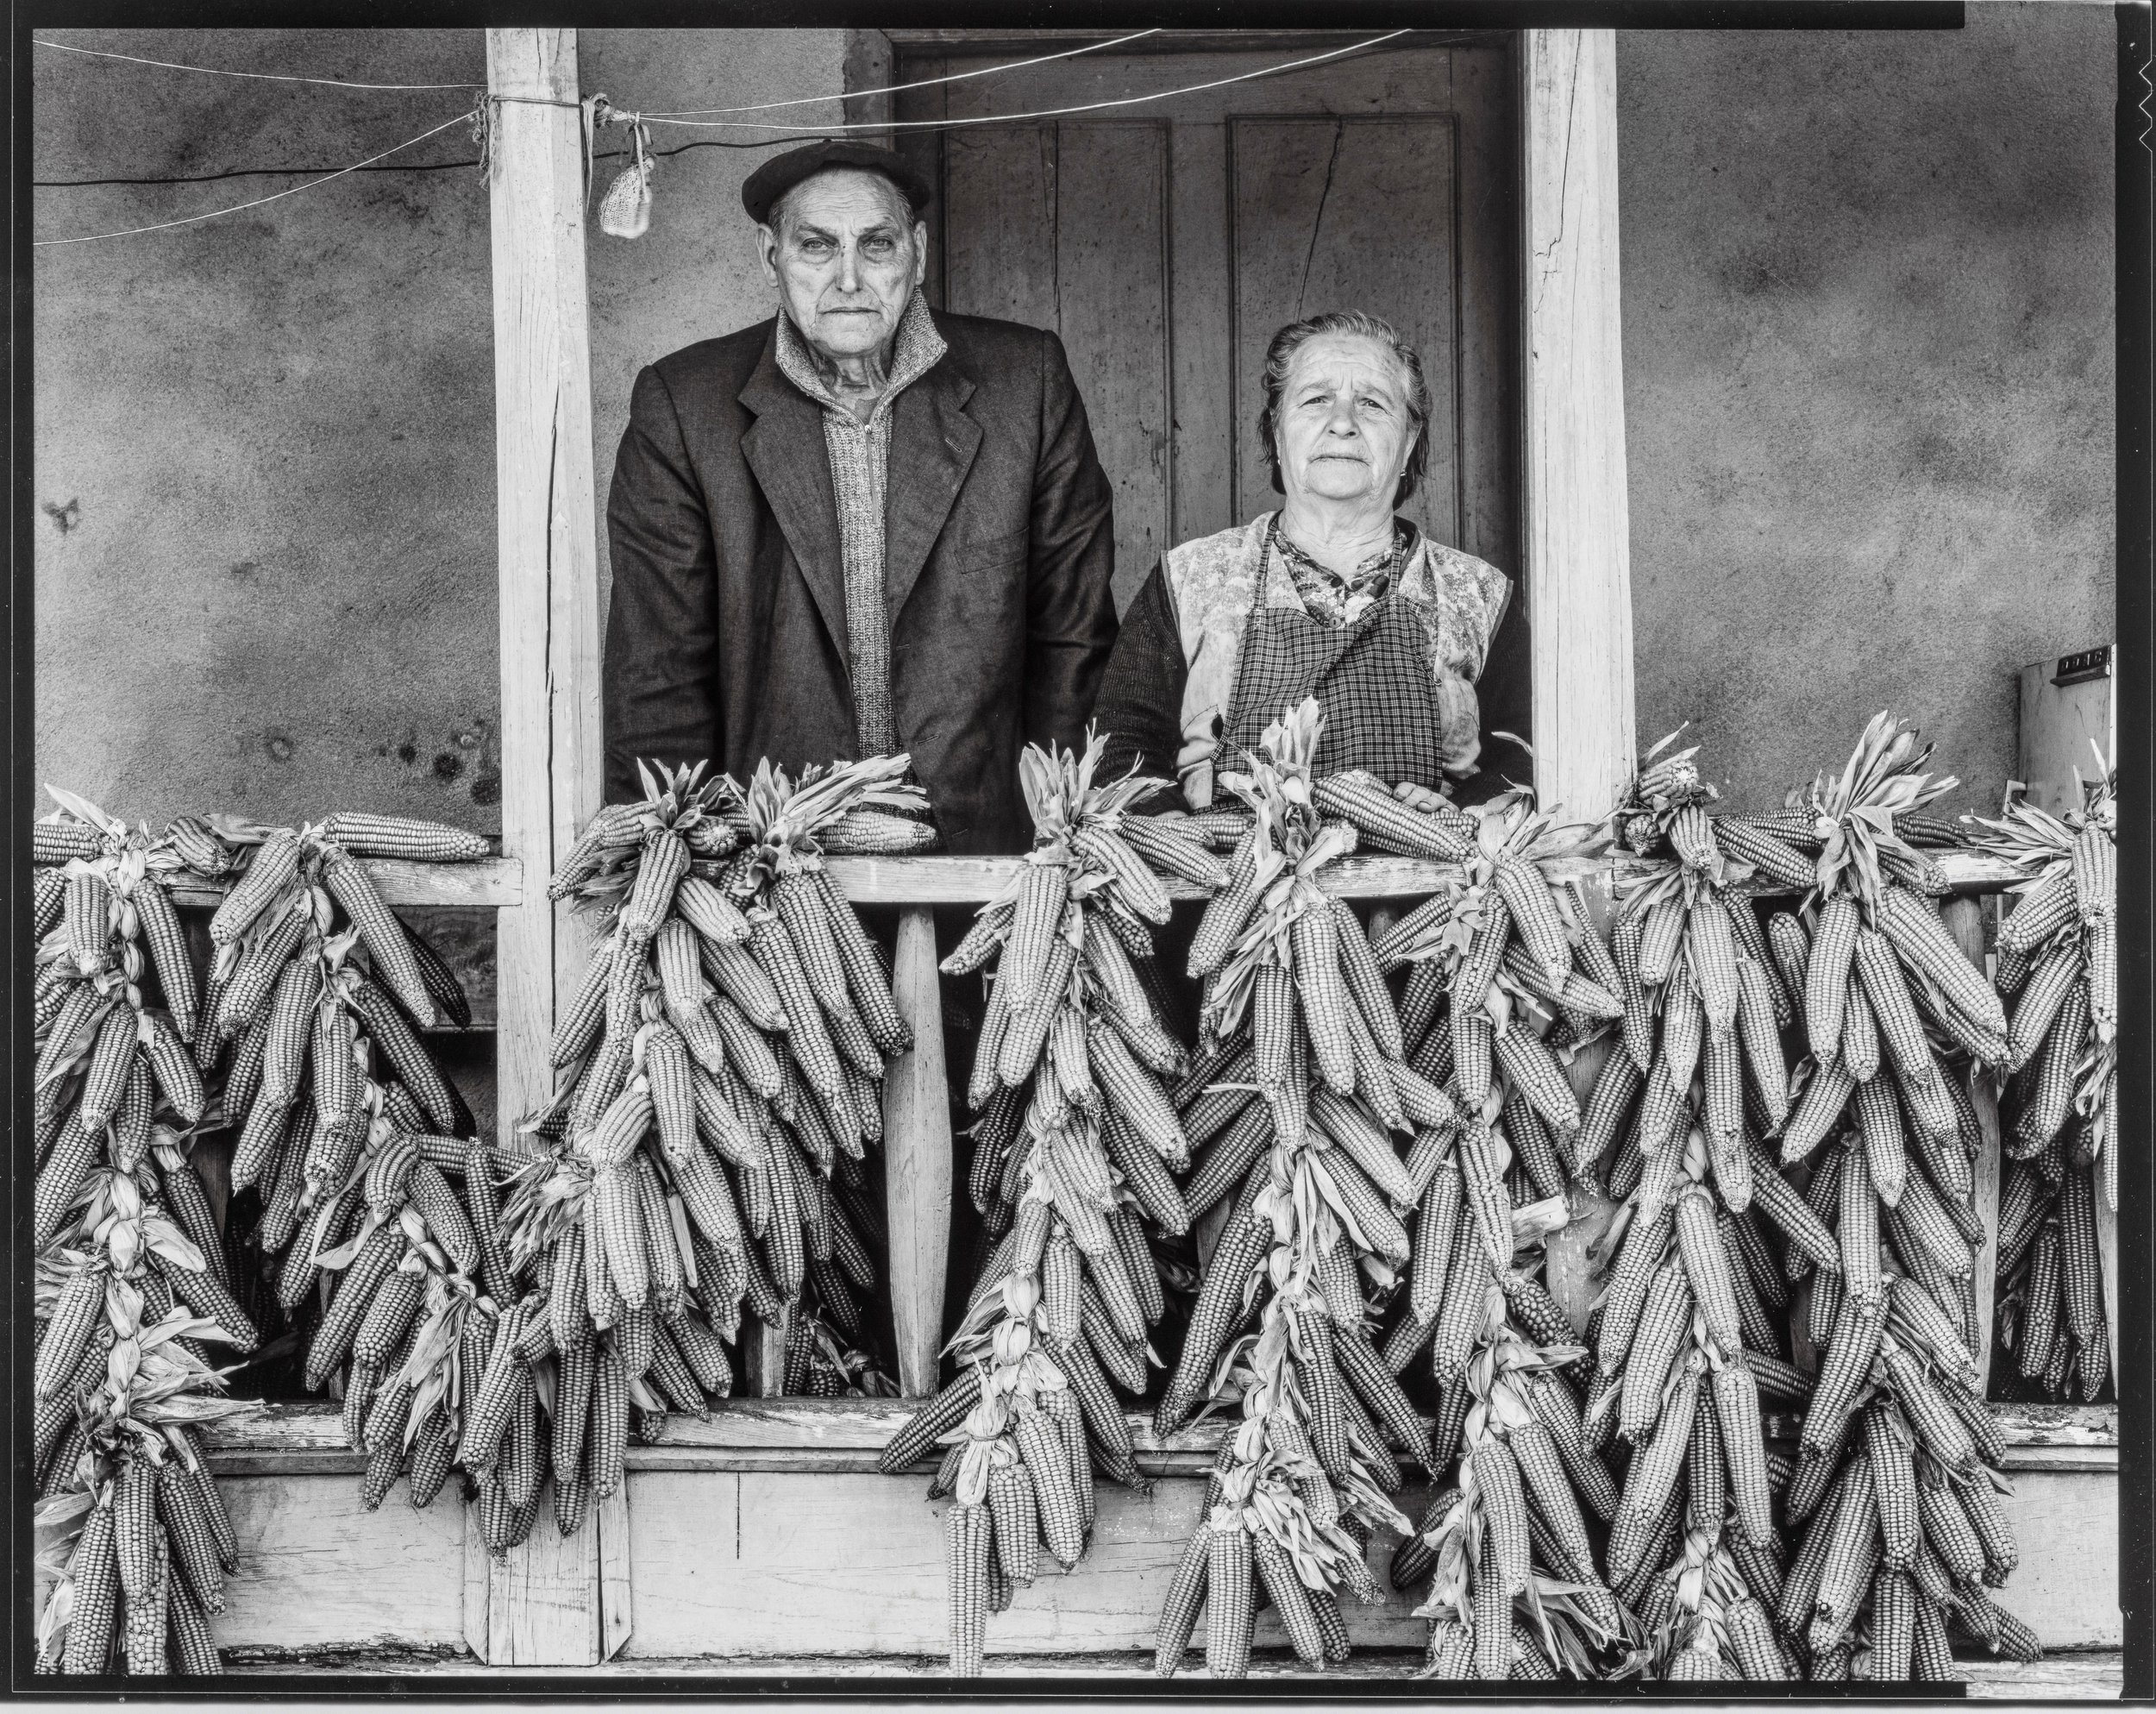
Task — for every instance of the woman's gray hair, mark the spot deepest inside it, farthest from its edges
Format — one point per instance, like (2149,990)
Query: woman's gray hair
(1280,357)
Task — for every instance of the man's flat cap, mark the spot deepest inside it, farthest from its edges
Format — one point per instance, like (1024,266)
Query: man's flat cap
(783,172)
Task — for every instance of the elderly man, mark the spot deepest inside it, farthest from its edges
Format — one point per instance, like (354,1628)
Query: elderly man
(860,527)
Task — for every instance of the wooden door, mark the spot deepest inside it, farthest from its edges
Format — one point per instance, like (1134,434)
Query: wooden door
(1165,243)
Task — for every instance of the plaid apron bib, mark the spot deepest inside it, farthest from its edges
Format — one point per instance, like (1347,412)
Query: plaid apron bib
(1372,678)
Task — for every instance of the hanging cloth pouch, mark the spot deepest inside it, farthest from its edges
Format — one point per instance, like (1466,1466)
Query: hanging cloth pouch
(625,212)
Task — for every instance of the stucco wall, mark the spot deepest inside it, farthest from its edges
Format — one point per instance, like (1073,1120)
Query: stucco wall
(265,446)
(1868,330)
(1867,285)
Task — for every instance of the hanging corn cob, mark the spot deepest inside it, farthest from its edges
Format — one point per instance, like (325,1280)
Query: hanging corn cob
(1888,1015)
(1516,1591)
(124,1379)
(1294,984)
(1685,1337)
(1685,1351)
(1506,982)
(1895,1426)
(2059,961)
(1072,1151)
(720,1077)
(380,1221)
(130,1287)
(1896,1487)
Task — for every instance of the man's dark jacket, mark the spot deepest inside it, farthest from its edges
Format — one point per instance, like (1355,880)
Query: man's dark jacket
(727,636)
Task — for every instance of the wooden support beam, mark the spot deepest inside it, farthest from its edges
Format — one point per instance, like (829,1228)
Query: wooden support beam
(544,1601)
(917,1158)
(1578,560)
(1569,1272)
(1965,920)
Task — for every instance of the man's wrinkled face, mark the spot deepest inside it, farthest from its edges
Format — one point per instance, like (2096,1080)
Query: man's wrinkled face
(845,259)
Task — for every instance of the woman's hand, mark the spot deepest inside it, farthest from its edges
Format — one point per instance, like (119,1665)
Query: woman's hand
(1194,767)
(1420,797)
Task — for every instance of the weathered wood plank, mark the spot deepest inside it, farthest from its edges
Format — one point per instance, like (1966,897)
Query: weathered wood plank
(317,1569)
(543,1597)
(917,1151)
(540,1611)
(617,1592)
(2066,1587)
(850,1565)
(1348,209)
(1963,918)
(2081,1677)
(2071,1678)
(497,883)
(1578,582)
(492,881)
(839,1565)
(313,1431)
(1112,277)
(1569,1269)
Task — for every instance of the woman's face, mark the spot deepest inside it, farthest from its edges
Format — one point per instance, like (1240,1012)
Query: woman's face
(1342,431)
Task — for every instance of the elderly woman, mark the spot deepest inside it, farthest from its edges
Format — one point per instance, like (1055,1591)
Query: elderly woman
(1334,595)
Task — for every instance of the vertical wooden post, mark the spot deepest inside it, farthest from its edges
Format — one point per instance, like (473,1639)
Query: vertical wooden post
(1578,553)
(1570,1271)
(544,1604)
(1965,920)
(917,1162)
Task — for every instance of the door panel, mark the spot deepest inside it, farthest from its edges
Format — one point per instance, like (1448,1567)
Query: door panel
(1065,226)
(1336,214)
(1166,250)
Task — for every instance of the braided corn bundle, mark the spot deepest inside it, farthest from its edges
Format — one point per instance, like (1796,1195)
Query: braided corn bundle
(1903,1546)
(1706,1618)
(379,1220)
(1892,1026)
(1891,1022)
(1685,1351)
(2055,1336)
(1073,1148)
(1516,1591)
(130,1295)
(1888,997)
(1303,1480)
(1687,1333)
(1505,981)
(705,1146)
(1897,1478)
(2059,962)
(1704,1002)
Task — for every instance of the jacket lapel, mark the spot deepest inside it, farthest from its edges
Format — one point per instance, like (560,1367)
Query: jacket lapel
(785,448)
(933,443)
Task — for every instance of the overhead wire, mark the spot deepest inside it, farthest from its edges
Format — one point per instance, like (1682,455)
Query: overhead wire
(226,71)
(274,195)
(1044,112)
(924,82)
(678,113)
(801,134)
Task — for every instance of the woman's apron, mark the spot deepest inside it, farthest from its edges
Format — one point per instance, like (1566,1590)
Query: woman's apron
(1372,678)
